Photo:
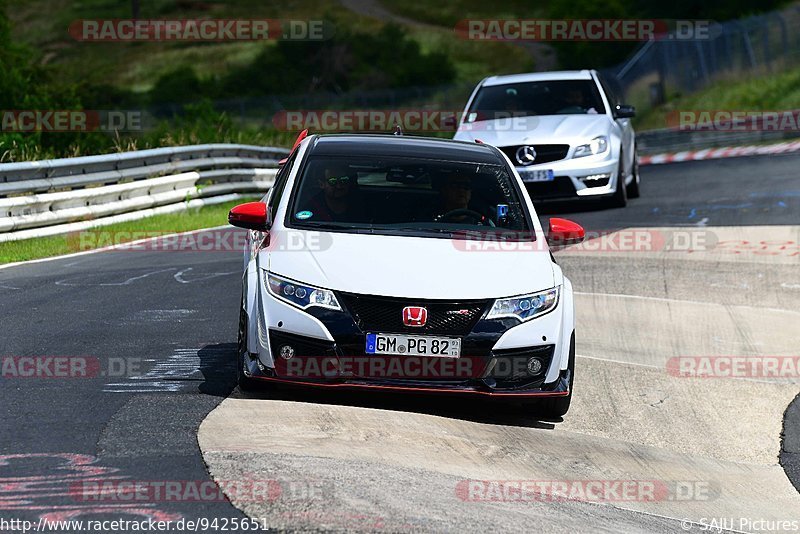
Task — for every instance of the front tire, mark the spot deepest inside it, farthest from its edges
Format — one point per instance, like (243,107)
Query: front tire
(633,189)
(620,197)
(245,382)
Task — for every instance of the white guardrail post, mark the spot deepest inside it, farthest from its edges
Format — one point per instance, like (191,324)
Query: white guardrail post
(42,198)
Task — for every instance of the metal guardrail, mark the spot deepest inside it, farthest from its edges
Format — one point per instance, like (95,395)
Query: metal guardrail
(47,197)
(70,173)
(673,140)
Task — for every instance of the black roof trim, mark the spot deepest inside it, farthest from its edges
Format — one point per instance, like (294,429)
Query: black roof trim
(407,146)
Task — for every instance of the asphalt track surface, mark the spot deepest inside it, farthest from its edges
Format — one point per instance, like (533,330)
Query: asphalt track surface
(396,463)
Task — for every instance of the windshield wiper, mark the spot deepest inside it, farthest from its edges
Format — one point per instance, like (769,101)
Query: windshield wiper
(326,226)
(335,226)
(422,230)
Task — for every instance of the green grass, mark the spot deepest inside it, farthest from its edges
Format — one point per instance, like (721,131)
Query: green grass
(44,25)
(474,60)
(44,247)
(774,92)
(449,13)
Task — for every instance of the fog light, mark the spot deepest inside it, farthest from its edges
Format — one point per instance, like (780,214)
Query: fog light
(287,352)
(596,177)
(534,366)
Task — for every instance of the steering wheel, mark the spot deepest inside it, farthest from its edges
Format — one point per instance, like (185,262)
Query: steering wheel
(474,215)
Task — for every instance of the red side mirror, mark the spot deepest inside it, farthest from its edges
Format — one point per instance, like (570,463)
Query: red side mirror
(252,216)
(564,232)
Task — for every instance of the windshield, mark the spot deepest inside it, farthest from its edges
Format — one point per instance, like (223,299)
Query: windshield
(553,97)
(401,195)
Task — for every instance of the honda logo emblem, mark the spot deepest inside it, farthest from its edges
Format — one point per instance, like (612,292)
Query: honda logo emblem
(415,316)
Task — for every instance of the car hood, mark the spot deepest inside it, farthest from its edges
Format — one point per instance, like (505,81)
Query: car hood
(551,129)
(425,268)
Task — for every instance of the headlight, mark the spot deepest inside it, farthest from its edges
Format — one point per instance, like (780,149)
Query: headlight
(300,295)
(526,307)
(597,146)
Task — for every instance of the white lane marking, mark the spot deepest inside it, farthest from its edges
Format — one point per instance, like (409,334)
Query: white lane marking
(790,286)
(648,366)
(162,315)
(662,299)
(125,283)
(9,287)
(112,247)
(179,276)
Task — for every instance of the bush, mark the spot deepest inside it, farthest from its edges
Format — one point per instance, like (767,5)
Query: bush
(348,61)
(177,87)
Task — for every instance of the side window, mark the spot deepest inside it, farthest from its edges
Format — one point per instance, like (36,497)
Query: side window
(280,184)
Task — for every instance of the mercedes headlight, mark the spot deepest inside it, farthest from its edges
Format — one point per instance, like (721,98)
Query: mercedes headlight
(525,307)
(300,295)
(598,145)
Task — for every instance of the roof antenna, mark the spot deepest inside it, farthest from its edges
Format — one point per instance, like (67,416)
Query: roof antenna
(397,129)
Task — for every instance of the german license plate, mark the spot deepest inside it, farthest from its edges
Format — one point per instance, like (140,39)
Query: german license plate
(399,344)
(537,176)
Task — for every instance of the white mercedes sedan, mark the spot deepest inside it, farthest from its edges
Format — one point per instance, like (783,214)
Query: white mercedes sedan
(567,133)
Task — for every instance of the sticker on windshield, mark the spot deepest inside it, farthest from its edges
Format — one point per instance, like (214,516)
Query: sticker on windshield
(303,214)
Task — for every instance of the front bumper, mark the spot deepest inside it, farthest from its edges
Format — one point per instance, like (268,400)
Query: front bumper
(332,346)
(589,177)
(479,387)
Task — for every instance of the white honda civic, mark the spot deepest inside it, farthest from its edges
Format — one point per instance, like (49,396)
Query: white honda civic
(405,264)
(567,133)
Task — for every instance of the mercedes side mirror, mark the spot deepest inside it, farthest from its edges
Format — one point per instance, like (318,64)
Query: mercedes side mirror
(623,111)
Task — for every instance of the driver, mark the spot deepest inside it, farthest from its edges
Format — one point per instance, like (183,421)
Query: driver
(337,200)
(574,98)
(455,193)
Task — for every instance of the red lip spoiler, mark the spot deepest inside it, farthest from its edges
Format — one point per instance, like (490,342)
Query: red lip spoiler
(384,387)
